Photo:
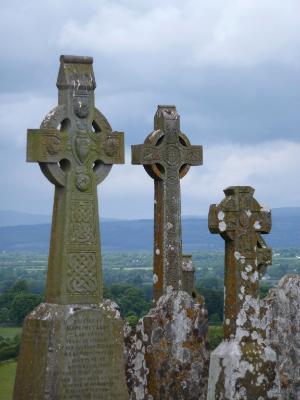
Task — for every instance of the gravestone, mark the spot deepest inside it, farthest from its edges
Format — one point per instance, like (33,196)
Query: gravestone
(72,345)
(282,311)
(167,156)
(167,354)
(243,366)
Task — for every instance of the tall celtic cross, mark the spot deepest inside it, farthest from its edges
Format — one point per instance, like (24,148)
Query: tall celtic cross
(75,148)
(240,220)
(167,156)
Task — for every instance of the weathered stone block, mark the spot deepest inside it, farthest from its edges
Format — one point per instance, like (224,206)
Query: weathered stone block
(72,352)
(167,355)
(242,370)
(282,307)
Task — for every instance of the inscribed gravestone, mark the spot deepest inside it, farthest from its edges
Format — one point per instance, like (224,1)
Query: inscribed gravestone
(243,366)
(167,354)
(72,345)
(167,156)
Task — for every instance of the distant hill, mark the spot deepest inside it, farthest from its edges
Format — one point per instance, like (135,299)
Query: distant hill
(136,235)
(14,218)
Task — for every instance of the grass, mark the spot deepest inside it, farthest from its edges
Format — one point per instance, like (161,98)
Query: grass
(10,332)
(7,379)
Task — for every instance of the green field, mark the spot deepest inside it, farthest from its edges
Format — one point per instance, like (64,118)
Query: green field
(10,332)
(7,378)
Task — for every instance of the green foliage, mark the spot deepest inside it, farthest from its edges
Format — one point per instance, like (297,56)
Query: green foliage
(132,319)
(132,301)
(9,348)
(214,302)
(215,335)
(22,305)
(16,302)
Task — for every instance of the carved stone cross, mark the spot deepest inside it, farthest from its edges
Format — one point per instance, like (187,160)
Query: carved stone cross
(167,156)
(75,148)
(240,220)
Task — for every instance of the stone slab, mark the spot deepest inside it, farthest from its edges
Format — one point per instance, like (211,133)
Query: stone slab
(167,355)
(283,332)
(236,372)
(72,352)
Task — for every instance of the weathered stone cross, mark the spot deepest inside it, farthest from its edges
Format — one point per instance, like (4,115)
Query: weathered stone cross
(240,220)
(167,156)
(243,365)
(75,148)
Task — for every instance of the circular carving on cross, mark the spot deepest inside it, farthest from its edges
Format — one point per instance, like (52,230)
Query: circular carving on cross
(81,107)
(53,144)
(111,146)
(83,182)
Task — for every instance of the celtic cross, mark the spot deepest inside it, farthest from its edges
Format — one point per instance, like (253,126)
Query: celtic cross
(167,156)
(240,220)
(75,148)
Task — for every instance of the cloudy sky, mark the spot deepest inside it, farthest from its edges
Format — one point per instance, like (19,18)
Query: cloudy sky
(231,67)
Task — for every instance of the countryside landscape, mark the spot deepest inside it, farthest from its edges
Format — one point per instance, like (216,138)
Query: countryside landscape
(127,270)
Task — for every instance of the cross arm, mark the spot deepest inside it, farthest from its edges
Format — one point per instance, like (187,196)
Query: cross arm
(192,155)
(45,145)
(111,150)
(145,154)
(213,222)
(264,255)
(262,221)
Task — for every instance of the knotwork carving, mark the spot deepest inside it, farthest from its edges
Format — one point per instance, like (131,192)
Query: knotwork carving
(82,222)
(81,273)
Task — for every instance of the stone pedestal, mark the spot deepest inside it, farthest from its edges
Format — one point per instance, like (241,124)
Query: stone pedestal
(168,354)
(72,352)
(282,307)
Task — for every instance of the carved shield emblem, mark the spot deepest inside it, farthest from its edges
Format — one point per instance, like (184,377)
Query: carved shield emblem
(82,146)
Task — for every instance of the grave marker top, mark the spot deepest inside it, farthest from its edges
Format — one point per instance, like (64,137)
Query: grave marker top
(167,156)
(239,219)
(75,148)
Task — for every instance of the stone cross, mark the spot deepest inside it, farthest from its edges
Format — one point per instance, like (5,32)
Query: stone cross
(167,156)
(75,148)
(72,345)
(243,366)
(240,220)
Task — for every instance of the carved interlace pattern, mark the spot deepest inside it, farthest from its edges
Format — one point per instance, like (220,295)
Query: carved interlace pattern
(81,273)
(82,225)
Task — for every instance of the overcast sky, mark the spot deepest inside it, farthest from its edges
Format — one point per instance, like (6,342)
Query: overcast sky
(231,67)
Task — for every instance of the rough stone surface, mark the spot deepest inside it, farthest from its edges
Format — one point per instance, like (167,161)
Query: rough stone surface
(282,307)
(72,352)
(167,354)
(72,346)
(243,366)
(188,275)
(167,156)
